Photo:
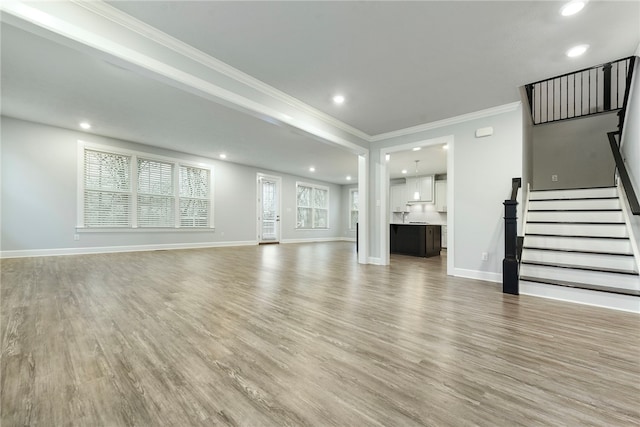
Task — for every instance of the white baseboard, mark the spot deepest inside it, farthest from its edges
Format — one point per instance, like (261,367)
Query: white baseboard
(112,249)
(582,296)
(348,239)
(478,275)
(374,261)
(315,240)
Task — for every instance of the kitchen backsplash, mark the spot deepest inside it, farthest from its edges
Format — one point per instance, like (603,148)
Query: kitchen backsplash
(422,212)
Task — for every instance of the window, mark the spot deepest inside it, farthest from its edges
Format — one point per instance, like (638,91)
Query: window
(312,205)
(107,189)
(353,208)
(133,190)
(194,197)
(156,201)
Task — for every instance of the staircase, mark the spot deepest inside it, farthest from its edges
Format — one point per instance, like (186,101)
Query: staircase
(578,239)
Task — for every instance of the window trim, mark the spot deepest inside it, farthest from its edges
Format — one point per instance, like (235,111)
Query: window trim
(133,164)
(313,209)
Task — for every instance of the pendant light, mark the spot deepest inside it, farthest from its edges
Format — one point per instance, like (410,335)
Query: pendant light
(416,194)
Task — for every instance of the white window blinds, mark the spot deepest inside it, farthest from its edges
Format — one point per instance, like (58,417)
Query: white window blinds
(194,197)
(107,189)
(156,200)
(129,189)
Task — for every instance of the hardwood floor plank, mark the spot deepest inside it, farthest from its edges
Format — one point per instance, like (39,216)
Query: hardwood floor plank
(300,335)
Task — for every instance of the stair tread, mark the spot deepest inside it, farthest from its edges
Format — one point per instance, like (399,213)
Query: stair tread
(583,267)
(576,222)
(574,198)
(577,236)
(535,248)
(576,210)
(581,286)
(572,189)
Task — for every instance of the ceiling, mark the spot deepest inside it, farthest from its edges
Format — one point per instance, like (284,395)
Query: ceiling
(399,64)
(432,161)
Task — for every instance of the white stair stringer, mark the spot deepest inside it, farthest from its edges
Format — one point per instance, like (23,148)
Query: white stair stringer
(577,243)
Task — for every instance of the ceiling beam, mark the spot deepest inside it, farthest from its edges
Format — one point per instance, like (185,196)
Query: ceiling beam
(99,29)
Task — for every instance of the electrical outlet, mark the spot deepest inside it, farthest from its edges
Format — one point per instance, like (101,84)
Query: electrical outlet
(76,237)
(485,256)
(222,233)
(554,178)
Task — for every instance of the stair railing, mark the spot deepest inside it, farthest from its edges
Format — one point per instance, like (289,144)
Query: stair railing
(589,91)
(623,174)
(510,263)
(614,143)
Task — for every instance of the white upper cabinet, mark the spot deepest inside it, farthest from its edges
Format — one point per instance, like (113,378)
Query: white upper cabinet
(441,196)
(423,185)
(398,198)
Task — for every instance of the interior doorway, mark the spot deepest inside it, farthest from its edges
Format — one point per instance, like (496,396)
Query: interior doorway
(386,205)
(268,208)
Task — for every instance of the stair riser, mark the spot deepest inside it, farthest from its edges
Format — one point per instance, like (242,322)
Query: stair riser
(573,194)
(622,281)
(575,204)
(600,230)
(582,296)
(591,216)
(580,244)
(581,259)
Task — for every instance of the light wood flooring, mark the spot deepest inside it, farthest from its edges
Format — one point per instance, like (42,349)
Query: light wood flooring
(300,335)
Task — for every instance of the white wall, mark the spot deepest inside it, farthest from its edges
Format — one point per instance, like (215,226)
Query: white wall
(481,179)
(38,209)
(631,141)
(631,130)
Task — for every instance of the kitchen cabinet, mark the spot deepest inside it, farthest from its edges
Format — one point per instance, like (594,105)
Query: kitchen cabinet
(424,184)
(422,240)
(441,196)
(398,198)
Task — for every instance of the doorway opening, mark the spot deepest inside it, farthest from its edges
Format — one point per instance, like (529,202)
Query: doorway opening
(424,177)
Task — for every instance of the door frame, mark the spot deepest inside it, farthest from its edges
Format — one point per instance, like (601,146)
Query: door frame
(383,208)
(278,180)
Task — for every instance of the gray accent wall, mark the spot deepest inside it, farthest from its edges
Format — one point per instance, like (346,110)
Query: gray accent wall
(39,186)
(576,150)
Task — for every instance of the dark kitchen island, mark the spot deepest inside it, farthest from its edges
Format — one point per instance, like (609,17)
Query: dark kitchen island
(417,239)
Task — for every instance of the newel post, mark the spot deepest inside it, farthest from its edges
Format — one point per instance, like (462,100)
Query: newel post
(510,262)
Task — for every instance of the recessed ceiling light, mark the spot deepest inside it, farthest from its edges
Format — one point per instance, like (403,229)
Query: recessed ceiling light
(577,50)
(85,125)
(348,177)
(572,7)
(404,171)
(445,147)
(417,148)
(312,169)
(387,157)
(223,156)
(338,99)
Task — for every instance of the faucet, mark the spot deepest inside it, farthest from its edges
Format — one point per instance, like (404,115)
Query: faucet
(404,215)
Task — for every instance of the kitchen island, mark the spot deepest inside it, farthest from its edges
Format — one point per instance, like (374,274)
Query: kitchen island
(417,239)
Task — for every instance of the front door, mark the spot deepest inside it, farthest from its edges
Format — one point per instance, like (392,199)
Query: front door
(268,208)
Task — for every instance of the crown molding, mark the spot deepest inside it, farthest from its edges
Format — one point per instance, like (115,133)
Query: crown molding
(127,21)
(447,122)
